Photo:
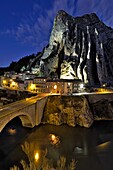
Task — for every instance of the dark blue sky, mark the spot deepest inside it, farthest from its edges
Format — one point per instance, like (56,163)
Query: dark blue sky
(25,25)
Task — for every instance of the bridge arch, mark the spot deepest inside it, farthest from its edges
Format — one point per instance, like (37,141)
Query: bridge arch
(25,119)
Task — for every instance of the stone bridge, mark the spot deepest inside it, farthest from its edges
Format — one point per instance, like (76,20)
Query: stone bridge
(30,111)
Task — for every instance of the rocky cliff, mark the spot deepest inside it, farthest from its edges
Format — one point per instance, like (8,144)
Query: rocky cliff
(80,47)
(78,110)
(68,109)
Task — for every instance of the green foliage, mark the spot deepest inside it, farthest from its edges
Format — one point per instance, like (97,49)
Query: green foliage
(43,163)
(16,66)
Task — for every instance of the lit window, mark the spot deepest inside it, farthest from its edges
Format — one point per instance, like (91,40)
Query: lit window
(55,87)
(81,86)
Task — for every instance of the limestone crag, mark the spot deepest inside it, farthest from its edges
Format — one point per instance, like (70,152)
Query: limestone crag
(85,44)
(68,109)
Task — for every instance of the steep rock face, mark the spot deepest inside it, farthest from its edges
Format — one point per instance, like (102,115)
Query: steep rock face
(68,109)
(83,42)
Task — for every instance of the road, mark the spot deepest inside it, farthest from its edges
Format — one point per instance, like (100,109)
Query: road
(7,109)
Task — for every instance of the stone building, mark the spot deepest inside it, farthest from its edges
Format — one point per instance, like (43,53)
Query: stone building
(40,83)
(64,86)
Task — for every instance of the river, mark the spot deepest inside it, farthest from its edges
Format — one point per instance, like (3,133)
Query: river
(91,148)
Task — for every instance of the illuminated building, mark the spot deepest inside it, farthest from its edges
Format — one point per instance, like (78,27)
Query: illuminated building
(64,86)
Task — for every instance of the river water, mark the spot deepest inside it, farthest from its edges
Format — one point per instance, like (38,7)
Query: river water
(91,148)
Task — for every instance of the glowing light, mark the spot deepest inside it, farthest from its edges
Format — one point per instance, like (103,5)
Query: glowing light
(54,140)
(104,85)
(13,83)
(104,90)
(53,137)
(104,145)
(69,84)
(12,131)
(32,87)
(4,81)
(81,86)
(55,87)
(36,156)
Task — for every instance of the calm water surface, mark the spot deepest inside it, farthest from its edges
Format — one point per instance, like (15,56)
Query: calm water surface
(92,148)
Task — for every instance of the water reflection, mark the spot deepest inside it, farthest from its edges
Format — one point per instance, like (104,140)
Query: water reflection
(92,148)
(54,140)
(36,156)
(104,146)
(89,147)
(12,131)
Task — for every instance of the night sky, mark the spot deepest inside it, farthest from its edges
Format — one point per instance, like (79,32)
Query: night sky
(25,25)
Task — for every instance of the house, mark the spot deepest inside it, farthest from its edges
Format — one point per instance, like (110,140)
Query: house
(21,85)
(40,83)
(64,86)
(28,84)
(24,76)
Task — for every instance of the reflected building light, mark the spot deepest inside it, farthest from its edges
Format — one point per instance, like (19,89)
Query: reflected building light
(104,145)
(12,131)
(78,149)
(53,137)
(36,156)
(54,140)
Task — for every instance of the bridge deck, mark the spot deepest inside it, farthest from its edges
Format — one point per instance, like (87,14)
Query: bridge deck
(10,108)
